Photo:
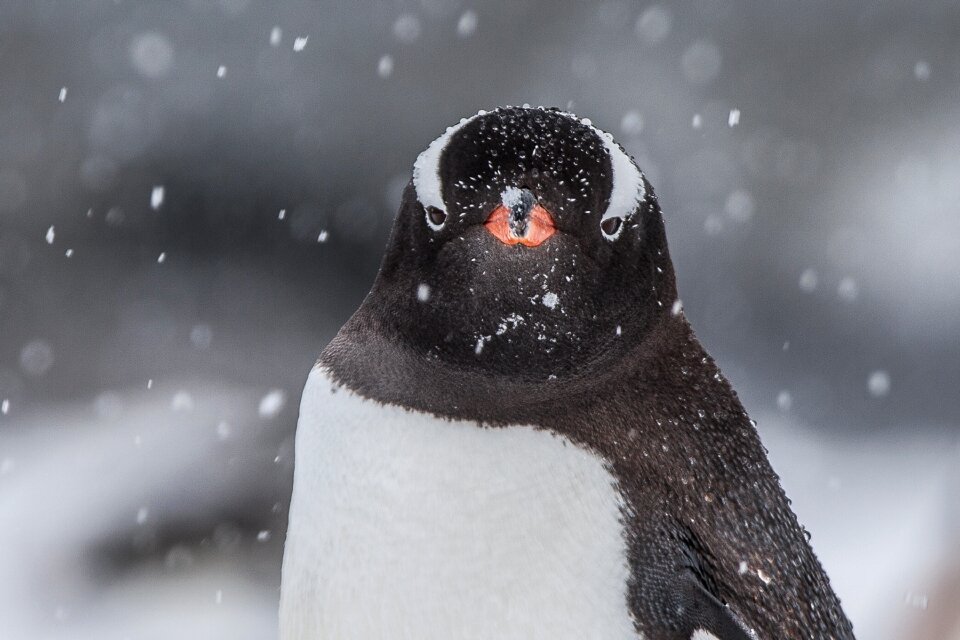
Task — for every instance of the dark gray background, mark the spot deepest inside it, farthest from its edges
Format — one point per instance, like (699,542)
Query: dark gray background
(817,245)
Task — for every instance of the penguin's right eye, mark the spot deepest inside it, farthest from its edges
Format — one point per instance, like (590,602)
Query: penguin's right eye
(611,227)
(436,217)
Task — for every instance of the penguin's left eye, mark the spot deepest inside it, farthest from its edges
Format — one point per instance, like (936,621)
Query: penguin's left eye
(436,217)
(611,227)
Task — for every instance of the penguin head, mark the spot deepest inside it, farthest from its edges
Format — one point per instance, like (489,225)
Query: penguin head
(527,243)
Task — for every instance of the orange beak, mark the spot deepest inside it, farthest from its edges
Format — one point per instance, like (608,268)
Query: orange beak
(539,226)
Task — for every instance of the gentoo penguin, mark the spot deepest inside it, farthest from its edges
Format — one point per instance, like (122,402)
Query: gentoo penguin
(517,434)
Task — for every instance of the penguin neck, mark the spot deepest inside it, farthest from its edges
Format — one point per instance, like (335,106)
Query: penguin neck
(368,357)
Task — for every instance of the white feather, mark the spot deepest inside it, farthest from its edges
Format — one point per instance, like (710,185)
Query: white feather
(404,525)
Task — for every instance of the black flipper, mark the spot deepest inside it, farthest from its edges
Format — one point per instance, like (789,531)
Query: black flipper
(698,609)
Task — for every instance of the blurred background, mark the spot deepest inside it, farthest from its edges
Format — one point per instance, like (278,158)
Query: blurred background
(195,195)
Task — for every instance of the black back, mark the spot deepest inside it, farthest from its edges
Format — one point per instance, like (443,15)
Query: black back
(712,541)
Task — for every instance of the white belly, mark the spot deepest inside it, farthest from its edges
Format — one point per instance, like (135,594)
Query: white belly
(403,525)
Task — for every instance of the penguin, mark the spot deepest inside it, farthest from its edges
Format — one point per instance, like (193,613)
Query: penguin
(518,435)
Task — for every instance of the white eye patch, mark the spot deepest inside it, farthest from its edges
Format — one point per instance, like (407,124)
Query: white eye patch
(627,190)
(426,170)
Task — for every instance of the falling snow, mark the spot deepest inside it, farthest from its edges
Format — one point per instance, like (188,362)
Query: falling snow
(784,401)
(156,197)
(423,292)
(385,66)
(848,289)
(467,24)
(878,384)
(407,28)
(808,281)
(272,403)
(182,401)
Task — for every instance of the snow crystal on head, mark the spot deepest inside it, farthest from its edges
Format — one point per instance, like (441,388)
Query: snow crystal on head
(426,170)
(511,197)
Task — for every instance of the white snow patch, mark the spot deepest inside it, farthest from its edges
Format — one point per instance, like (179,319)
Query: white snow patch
(784,400)
(156,197)
(272,403)
(808,281)
(467,24)
(550,300)
(385,66)
(181,401)
(632,123)
(654,24)
(677,307)
(511,197)
(481,341)
(407,28)
(423,292)
(36,357)
(848,289)
(878,384)
(511,321)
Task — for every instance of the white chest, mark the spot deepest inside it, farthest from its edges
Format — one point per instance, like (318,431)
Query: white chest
(403,525)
